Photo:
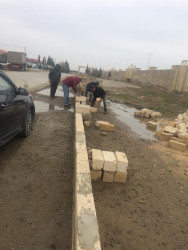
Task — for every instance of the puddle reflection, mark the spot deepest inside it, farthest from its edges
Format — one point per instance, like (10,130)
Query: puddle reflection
(45,107)
(126,115)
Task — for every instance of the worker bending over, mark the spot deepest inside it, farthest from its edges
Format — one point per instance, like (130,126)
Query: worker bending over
(88,89)
(98,92)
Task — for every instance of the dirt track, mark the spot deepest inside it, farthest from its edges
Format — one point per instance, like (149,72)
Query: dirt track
(36,184)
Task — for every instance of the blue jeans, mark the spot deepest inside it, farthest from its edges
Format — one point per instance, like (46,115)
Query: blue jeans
(66,94)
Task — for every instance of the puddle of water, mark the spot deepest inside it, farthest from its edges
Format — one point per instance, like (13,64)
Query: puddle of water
(59,92)
(126,115)
(45,107)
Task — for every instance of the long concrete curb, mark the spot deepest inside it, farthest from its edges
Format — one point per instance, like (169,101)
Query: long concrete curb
(85,224)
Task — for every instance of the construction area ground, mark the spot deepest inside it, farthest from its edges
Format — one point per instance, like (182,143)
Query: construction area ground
(149,211)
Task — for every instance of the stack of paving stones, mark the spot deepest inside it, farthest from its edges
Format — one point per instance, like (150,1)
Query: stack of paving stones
(147,113)
(176,132)
(108,166)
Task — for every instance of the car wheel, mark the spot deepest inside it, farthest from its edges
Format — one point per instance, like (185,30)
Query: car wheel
(27,124)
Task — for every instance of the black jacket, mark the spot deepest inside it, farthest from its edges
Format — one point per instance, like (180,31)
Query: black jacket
(88,87)
(99,92)
(55,75)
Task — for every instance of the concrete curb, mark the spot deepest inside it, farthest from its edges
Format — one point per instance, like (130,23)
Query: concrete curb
(85,224)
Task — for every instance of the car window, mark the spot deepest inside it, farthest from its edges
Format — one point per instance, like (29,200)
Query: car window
(5,87)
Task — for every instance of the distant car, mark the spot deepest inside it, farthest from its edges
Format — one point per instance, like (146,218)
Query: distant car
(17,110)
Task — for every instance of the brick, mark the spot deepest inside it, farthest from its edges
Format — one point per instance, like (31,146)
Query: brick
(152,125)
(108,176)
(97,124)
(80,99)
(120,177)
(96,175)
(183,136)
(86,116)
(170,130)
(87,123)
(107,127)
(122,162)
(177,145)
(93,109)
(97,159)
(110,161)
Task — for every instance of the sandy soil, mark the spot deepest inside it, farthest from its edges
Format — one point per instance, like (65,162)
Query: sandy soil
(150,210)
(36,183)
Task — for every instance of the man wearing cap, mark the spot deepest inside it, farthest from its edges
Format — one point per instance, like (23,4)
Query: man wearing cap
(54,78)
(66,84)
(88,89)
(98,92)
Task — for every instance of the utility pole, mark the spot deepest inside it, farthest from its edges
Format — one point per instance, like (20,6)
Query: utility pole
(149,55)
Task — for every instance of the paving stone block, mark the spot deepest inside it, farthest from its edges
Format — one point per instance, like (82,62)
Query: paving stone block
(177,145)
(81,108)
(96,175)
(107,127)
(97,159)
(87,123)
(108,176)
(122,162)
(93,109)
(152,125)
(110,162)
(170,130)
(120,177)
(80,99)
(97,123)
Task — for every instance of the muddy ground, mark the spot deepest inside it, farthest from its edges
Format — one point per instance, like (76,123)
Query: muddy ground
(150,210)
(36,183)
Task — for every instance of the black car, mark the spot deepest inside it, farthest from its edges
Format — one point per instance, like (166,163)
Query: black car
(17,110)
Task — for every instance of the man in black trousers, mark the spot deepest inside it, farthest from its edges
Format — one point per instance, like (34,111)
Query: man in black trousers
(98,92)
(54,78)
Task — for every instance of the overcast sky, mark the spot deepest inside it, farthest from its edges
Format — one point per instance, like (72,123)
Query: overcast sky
(100,33)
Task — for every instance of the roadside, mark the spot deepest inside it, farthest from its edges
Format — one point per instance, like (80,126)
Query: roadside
(36,183)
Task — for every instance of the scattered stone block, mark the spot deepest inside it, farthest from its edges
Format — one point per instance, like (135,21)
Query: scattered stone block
(183,130)
(137,113)
(93,109)
(144,111)
(97,159)
(152,125)
(110,161)
(87,123)
(108,176)
(81,108)
(180,117)
(120,177)
(96,175)
(122,162)
(170,130)
(97,124)
(176,139)
(183,136)
(181,125)
(163,136)
(177,145)
(107,127)
(172,124)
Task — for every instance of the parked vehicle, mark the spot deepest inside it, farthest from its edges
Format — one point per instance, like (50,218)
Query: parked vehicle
(16,60)
(17,110)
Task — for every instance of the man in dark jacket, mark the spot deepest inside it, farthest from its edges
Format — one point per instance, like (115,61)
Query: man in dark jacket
(66,84)
(88,89)
(54,78)
(98,92)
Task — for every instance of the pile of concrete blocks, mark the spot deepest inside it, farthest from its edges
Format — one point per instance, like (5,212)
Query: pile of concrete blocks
(106,126)
(176,132)
(147,113)
(109,166)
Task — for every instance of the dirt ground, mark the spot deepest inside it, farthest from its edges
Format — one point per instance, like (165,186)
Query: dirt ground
(150,210)
(36,183)
(36,180)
